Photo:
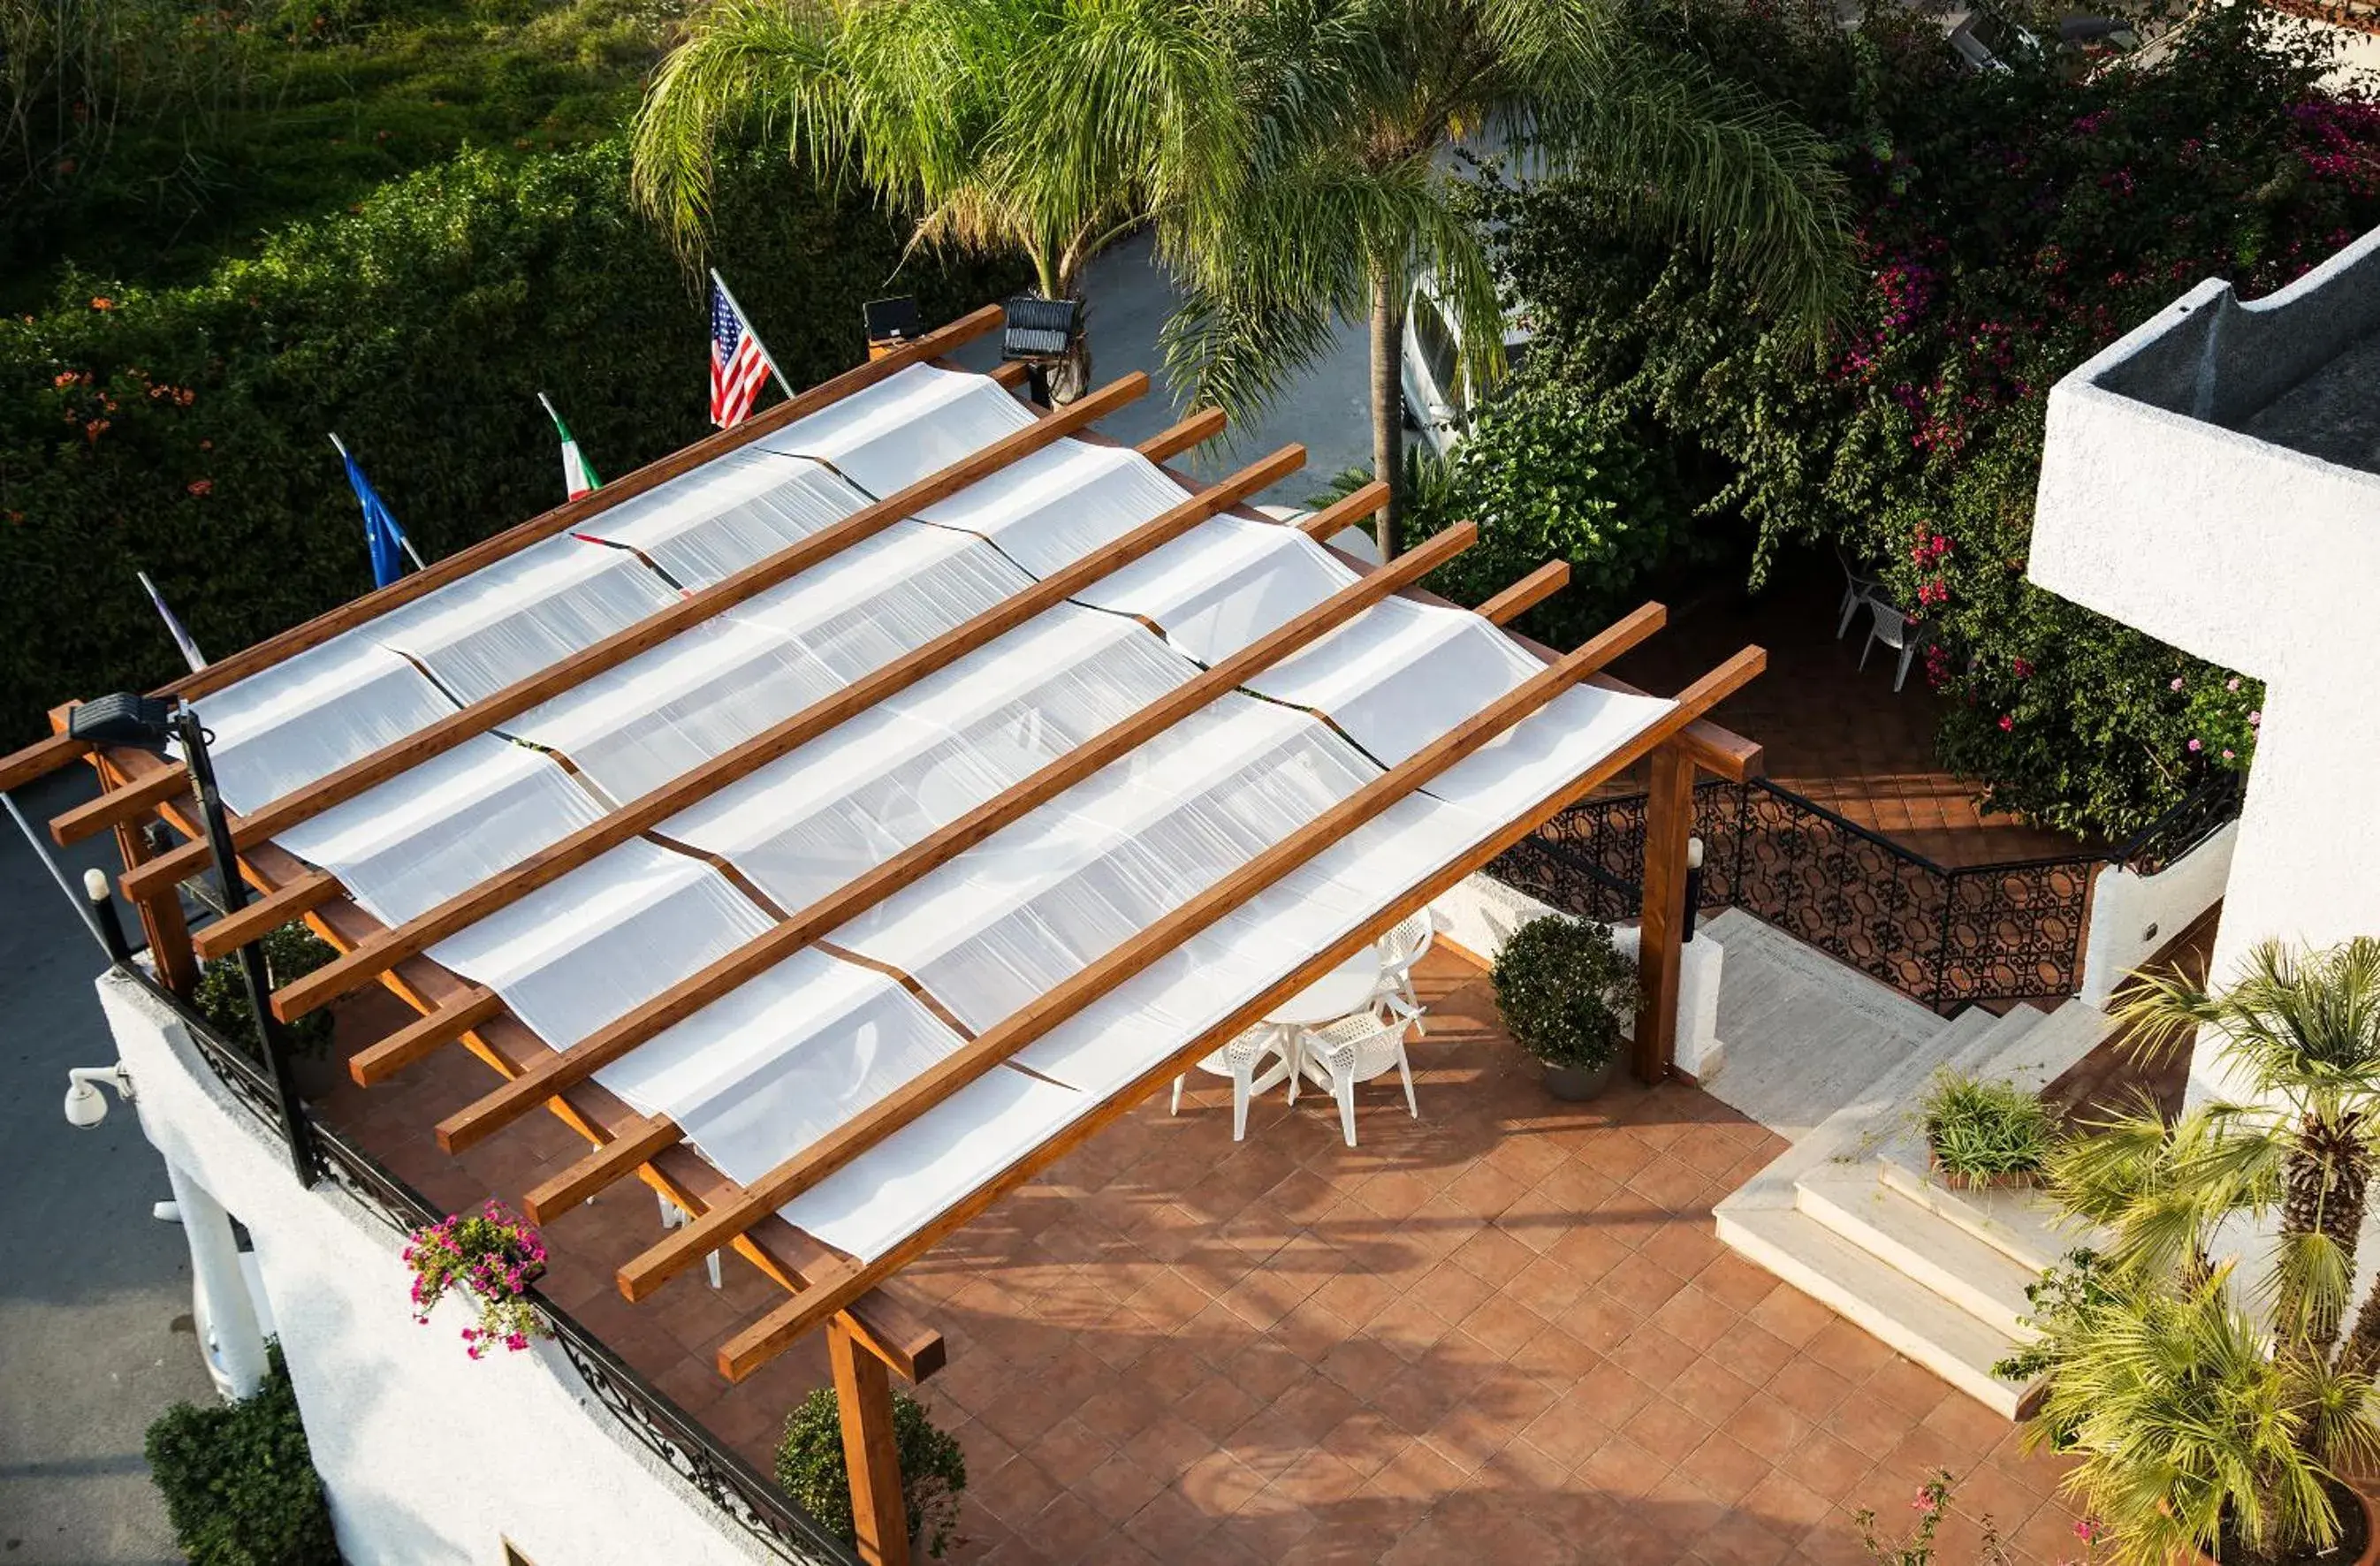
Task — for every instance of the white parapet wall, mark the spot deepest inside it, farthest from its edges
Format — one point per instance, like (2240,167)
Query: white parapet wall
(429,1457)
(1479,913)
(2134,916)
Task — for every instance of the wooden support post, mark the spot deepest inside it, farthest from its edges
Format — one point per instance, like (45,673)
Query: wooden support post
(1668,822)
(861,1386)
(161,924)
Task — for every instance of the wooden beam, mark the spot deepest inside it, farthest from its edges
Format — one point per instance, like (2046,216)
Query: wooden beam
(382,1061)
(371,770)
(1344,512)
(656,1265)
(1203,425)
(162,922)
(617,1159)
(1008,373)
(649,810)
(899,1336)
(1527,593)
(819,1300)
(48,756)
(269,913)
(879,1516)
(476,1122)
(1668,822)
(118,807)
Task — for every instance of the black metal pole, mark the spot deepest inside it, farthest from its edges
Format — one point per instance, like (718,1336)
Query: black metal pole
(269,1030)
(104,918)
(1037,382)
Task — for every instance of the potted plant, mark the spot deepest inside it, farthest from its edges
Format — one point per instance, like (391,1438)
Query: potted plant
(291,952)
(811,1469)
(1565,993)
(2213,1405)
(1982,1133)
(495,1255)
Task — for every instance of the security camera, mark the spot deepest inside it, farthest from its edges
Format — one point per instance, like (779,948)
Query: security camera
(86,1105)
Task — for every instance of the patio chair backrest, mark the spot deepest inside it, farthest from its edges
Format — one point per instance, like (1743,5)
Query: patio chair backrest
(1360,1047)
(1403,946)
(1892,625)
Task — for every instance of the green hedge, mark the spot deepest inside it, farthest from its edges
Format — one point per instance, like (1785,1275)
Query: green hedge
(238,1481)
(183,432)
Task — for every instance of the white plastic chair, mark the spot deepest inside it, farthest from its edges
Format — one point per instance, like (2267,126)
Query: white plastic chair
(1238,1061)
(1399,950)
(675,1217)
(1337,1056)
(1857,590)
(1897,631)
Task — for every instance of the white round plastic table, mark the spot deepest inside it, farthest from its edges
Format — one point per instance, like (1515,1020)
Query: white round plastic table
(1344,992)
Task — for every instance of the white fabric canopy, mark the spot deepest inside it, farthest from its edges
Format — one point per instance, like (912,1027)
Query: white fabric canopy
(280,728)
(707,525)
(1224,584)
(1401,673)
(905,427)
(1058,504)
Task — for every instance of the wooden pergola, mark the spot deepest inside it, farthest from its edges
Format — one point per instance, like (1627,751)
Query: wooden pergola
(870,1333)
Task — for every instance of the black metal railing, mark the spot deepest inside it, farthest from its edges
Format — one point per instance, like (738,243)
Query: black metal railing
(728,1481)
(1947,935)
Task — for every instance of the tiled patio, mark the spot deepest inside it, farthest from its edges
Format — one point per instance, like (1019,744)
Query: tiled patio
(1503,1333)
(1834,731)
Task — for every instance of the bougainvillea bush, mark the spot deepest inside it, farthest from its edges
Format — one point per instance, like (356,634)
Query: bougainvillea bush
(2008,225)
(494,1255)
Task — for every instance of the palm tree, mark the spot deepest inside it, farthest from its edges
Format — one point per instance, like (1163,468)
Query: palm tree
(1044,128)
(1358,105)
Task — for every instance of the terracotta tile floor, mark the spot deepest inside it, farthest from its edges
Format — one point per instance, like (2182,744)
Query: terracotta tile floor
(1503,1333)
(1834,731)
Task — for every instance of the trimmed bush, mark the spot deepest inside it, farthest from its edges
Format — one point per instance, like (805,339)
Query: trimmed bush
(239,1484)
(811,1469)
(290,953)
(183,431)
(1565,992)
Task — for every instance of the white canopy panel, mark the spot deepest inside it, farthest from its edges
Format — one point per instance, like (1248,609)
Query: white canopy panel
(665,712)
(708,524)
(305,717)
(604,939)
(808,822)
(1401,675)
(407,845)
(1226,583)
(905,427)
(1058,504)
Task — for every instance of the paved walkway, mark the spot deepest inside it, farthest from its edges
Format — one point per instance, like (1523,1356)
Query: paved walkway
(1834,733)
(1497,1333)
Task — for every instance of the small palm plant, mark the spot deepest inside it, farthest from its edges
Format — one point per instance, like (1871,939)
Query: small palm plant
(2207,1403)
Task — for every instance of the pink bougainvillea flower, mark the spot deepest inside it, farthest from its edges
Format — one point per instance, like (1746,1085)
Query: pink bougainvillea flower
(2177,683)
(2197,745)
(2256,719)
(2232,684)
(201,487)
(2008,722)
(2227,756)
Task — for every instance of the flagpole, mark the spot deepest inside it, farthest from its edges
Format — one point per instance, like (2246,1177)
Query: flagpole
(782,385)
(190,653)
(548,402)
(403,537)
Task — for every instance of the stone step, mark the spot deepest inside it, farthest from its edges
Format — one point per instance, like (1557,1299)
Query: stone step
(1919,1243)
(1871,1294)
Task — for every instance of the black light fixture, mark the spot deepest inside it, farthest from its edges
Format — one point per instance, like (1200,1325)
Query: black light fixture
(1039,332)
(890,323)
(1694,889)
(147,722)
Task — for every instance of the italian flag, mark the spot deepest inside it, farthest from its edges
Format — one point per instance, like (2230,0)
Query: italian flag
(578,476)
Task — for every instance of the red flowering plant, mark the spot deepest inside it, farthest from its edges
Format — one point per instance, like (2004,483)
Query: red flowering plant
(494,1255)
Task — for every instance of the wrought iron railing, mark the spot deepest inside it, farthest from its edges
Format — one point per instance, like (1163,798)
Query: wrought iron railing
(1944,935)
(734,1485)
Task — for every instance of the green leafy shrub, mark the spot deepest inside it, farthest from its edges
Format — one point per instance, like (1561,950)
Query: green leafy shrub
(182,430)
(1565,992)
(1985,1131)
(2009,225)
(290,953)
(811,1469)
(239,1484)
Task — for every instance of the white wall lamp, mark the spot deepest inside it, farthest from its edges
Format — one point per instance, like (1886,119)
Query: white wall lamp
(86,1105)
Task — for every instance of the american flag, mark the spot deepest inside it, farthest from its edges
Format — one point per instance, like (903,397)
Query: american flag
(738,363)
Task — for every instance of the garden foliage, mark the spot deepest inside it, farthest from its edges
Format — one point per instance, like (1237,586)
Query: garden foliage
(2009,226)
(291,952)
(238,1482)
(811,1468)
(183,431)
(1564,992)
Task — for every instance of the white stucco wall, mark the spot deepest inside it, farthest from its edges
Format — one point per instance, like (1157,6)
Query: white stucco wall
(1479,913)
(428,1456)
(2251,554)
(2134,916)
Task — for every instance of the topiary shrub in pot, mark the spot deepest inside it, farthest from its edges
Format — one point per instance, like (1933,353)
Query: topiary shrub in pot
(811,1469)
(1565,993)
(239,1484)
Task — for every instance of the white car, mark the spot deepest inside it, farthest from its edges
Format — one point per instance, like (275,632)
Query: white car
(1440,399)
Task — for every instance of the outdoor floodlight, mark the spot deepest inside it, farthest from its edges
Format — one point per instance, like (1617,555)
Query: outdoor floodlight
(890,323)
(86,1105)
(143,722)
(1039,330)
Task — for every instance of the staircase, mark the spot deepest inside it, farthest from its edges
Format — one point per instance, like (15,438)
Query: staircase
(1851,1217)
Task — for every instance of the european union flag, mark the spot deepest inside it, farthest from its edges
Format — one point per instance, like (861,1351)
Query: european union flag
(382,535)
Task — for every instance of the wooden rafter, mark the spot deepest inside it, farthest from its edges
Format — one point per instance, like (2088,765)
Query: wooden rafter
(38,761)
(816,1302)
(369,771)
(549,864)
(1527,593)
(1203,425)
(647,1272)
(268,913)
(470,1126)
